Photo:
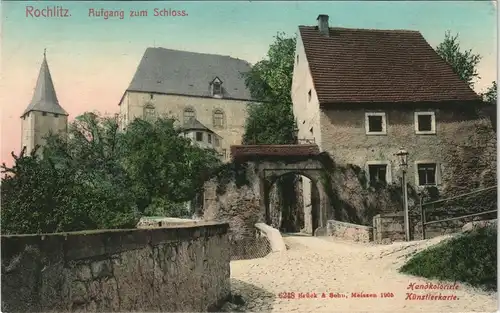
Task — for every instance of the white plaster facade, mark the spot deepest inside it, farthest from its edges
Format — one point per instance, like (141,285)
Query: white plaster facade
(305,109)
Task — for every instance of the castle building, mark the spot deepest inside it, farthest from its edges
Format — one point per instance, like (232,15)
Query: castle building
(44,114)
(204,93)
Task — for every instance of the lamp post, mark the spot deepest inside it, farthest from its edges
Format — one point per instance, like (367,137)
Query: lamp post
(403,163)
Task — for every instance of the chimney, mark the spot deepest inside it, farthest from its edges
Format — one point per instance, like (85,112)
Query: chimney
(323,24)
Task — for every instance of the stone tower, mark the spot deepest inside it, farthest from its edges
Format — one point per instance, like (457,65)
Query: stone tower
(44,114)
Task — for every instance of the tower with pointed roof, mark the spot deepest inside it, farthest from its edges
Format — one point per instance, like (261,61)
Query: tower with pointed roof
(44,114)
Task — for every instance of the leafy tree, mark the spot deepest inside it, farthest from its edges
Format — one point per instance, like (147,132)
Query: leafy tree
(464,63)
(270,82)
(99,177)
(164,164)
(38,196)
(490,95)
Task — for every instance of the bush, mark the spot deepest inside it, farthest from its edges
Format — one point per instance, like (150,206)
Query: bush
(98,177)
(470,258)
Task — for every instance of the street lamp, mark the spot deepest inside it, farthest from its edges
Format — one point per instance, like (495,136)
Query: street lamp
(403,163)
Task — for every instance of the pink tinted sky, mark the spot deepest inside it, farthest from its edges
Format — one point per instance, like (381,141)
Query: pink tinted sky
(92,60)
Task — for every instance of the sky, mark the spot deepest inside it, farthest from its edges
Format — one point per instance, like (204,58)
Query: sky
(92,59)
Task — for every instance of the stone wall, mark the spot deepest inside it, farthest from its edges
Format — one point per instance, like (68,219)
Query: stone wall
(159,269)
(464,149)
(348,231)
(388,227)
(239,206)
(148,222)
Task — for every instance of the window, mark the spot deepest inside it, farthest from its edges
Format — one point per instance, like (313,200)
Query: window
(377,173)
(297,59)
(218,118)
(375,123)
(216,141)
(425,123)
(199,136)
(309,95)
(217,89)
(223,153)
(209,138)
(151,96)
(149,113)
(56,115)
(44,113)
(427,174)
(189,115)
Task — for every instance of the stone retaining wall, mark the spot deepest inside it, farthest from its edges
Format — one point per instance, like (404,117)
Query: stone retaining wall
(180,269)
(349,231)
(388,227)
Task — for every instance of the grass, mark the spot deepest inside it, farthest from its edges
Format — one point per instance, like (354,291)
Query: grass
(469,258)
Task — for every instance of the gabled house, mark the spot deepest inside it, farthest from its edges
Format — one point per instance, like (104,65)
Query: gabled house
(190,86)
(363,94)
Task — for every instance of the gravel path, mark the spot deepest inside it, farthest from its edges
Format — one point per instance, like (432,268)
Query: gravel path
(319,265)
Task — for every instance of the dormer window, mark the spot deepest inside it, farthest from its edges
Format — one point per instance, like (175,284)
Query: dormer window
(217,88)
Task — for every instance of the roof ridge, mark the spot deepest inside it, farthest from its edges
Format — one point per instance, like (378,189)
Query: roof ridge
(366,29)
(356,66)
(180,72)
(195,52)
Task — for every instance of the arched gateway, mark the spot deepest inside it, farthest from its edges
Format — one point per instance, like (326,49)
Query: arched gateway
(273,161)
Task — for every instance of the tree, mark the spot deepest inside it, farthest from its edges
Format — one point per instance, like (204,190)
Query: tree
(99,177)
(490,95)
(165,166)
(270,81)
(464,63)
(39,196)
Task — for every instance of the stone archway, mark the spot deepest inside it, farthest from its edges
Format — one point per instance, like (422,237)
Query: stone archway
(238,193)
(315,216)
(273,161)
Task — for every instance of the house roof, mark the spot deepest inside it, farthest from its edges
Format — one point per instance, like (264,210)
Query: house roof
(44,97)
(189,73)
(366,65)
(194,124)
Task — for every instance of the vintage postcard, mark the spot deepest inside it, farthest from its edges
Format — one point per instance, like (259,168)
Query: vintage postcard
(249,156)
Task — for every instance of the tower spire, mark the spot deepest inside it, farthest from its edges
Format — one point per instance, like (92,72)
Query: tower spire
(45,98)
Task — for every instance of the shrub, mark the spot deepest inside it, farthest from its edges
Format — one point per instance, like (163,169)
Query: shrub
(469,258)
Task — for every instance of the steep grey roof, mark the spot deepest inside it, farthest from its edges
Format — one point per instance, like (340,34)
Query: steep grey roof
(45,98)
(194,124)
(189,73)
